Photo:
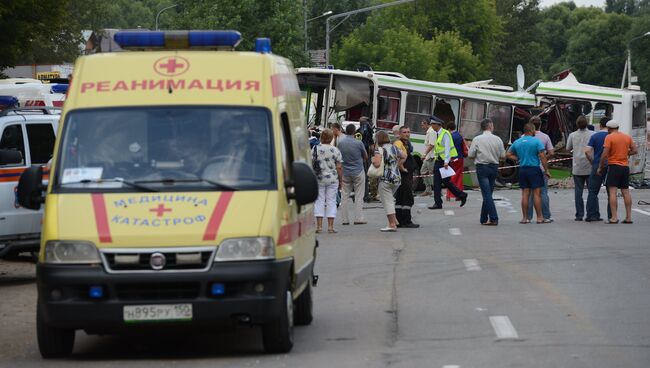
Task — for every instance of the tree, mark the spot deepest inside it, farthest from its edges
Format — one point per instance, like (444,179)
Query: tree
(316,28)
(444,58)
(280,20)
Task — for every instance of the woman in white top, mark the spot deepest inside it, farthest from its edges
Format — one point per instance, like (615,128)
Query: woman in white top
(329,161)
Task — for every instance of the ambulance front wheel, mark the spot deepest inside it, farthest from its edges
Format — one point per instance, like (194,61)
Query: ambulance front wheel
(52,342)
(277,336)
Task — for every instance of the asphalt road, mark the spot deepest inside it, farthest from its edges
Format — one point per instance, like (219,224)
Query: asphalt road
(450,294)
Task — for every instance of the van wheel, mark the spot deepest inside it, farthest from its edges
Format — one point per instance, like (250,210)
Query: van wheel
(277,336)
(304,306)
(52,342)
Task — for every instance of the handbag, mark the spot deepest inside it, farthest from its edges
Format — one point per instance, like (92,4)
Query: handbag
(377,172)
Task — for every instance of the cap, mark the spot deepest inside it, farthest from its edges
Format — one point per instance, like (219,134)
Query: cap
(436,120)
(613,124)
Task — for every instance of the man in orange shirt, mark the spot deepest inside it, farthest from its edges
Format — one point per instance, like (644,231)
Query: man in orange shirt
(617,148)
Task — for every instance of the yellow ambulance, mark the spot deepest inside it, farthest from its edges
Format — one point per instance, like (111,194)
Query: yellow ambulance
(180,194)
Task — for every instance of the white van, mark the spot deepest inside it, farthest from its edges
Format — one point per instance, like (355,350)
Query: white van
(26,138)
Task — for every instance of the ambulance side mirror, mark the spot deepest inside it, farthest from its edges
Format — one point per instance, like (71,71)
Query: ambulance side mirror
(10,157)
(303,186)
(30,188)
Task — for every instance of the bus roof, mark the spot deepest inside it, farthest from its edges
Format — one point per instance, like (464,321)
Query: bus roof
(569,87)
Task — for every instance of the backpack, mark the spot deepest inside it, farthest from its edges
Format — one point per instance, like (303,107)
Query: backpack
(315,163)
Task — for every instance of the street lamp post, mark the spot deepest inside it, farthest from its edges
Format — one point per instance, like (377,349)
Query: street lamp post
(628,62)
(309,20)
(345,16)
(162,10)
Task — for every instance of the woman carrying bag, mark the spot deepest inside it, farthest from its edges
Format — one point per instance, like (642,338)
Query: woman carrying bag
(385,166)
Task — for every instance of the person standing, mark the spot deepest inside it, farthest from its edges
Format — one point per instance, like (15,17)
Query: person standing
(548,148)
(443,151)
(581,169)
(429,157)
(338,133)
(529,151)
(593,152)
(391,179)
(618,147)
(354,177)
(486,150)
(366,132)
(457,163)
(329,179)
(404,195)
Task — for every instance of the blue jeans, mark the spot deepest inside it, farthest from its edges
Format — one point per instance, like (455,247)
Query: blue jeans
(595,182)
(546,208)
(487,174)
(579,182)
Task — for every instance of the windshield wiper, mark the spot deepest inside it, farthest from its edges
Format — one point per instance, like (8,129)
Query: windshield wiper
(171,181)
(114,180)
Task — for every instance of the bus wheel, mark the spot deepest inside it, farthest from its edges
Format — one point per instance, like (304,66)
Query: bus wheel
(304,306)
(52,342)
(277,336)
(510,175)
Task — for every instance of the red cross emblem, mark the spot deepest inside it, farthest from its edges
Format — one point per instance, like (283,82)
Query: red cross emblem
(160,210)
(170,66)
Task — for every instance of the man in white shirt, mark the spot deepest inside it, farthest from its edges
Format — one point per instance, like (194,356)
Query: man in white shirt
(429,156)
(581,169)
(487,150)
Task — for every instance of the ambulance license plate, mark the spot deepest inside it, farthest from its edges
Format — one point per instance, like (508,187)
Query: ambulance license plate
(157,312)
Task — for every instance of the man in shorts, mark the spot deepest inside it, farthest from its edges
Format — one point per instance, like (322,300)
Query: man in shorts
(529,151)
(617,148)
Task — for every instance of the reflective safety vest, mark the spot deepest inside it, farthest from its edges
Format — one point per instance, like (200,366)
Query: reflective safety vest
(439,148)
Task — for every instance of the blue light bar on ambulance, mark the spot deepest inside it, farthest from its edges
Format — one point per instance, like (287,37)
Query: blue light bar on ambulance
(59,88)
(177,39)
(263,45)
(8,101)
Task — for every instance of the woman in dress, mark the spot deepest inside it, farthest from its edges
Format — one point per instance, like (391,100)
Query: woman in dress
(391,179)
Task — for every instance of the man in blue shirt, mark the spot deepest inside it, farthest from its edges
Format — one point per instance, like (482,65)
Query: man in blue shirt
(529,151)
(354,175)
(594,151)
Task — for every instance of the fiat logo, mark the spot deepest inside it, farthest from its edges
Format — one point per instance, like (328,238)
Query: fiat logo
(171,66)
(157,261)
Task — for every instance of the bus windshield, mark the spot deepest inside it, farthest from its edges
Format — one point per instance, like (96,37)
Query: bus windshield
(164,148)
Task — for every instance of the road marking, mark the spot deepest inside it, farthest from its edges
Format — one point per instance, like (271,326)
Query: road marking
(455,231)
(471,264)
(449,212)
(641,211)
(503,328)
(512,211)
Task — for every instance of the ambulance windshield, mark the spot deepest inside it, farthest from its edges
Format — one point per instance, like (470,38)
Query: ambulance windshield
(166,149)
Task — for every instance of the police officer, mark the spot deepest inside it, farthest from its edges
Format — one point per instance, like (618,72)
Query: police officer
(444,150)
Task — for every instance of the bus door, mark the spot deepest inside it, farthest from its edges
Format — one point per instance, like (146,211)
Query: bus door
(638,133)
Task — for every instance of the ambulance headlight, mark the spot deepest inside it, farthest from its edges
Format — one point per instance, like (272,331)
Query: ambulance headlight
(245,249)
(71,252)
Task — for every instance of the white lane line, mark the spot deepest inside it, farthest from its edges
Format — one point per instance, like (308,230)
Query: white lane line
(512,211)
(455,231)
(503,328)
(641,211)
(449,212)
(471,264)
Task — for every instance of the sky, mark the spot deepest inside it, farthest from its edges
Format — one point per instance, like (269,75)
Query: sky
(598,3)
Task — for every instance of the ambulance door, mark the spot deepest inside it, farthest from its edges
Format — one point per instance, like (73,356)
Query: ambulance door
(13,219)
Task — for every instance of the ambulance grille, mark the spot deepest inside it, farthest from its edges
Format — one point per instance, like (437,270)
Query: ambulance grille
(158,291)
(142,260)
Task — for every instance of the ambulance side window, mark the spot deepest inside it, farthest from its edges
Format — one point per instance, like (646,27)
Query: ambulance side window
(287,147)
(41,142)
(12,139)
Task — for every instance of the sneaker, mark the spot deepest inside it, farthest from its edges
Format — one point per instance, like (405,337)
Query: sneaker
(593,219)
(434,207)
(410,226)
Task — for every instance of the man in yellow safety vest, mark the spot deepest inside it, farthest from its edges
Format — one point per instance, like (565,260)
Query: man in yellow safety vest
(444,150)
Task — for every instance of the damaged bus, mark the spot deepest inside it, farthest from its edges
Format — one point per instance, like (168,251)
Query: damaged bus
(390,99)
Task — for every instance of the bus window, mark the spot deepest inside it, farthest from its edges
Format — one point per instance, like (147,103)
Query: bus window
(639,115)
(501,116)
(418,108)
(447,109)
(471,115)
(602,110)
(388,109)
